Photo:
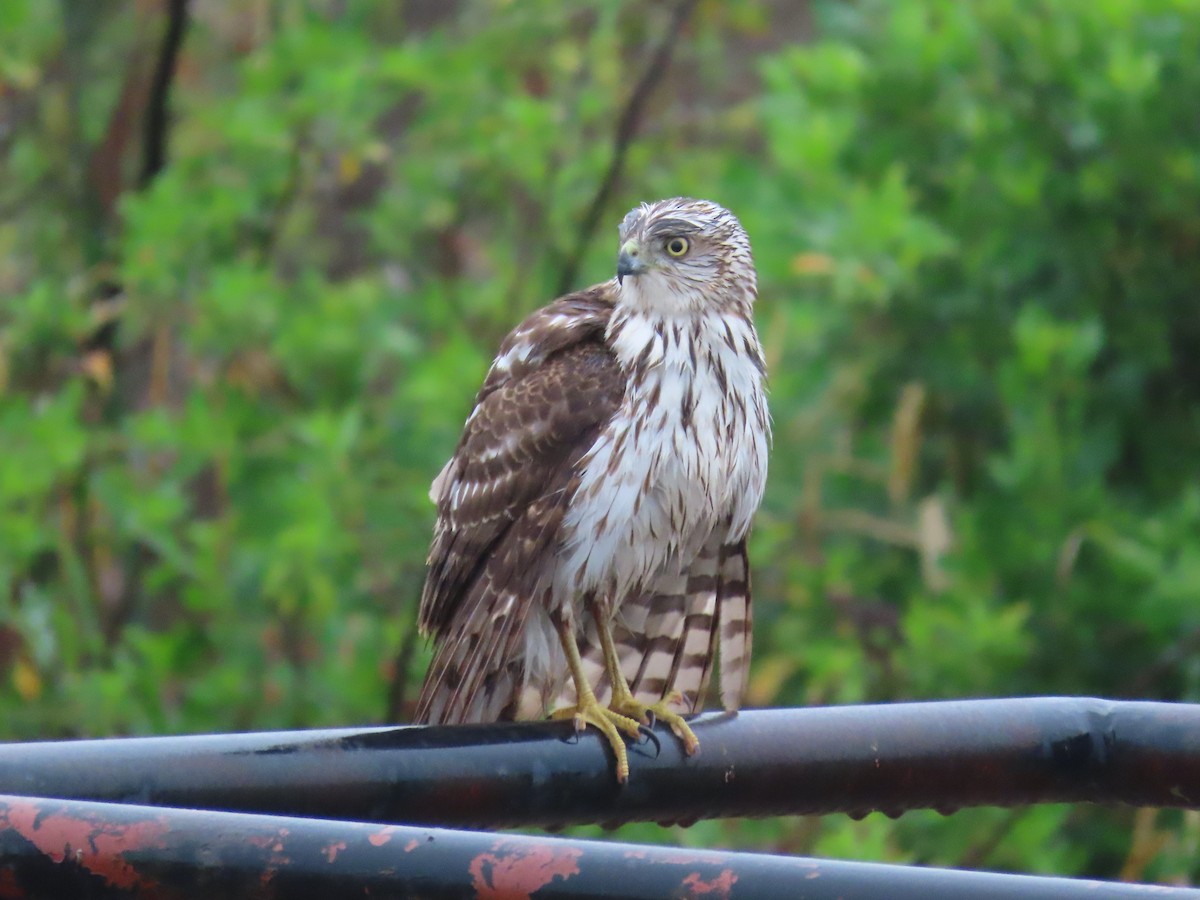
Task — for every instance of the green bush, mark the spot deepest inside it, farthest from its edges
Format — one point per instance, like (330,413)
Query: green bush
(223,393)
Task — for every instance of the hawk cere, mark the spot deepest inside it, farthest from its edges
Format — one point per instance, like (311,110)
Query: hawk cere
(589,555)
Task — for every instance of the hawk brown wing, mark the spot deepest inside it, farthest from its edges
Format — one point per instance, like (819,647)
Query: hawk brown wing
(501,500)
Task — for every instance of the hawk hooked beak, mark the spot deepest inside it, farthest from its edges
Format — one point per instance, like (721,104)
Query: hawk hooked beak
(629,262)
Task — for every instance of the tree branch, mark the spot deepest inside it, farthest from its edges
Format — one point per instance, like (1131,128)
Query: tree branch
(156,126)
(627,128)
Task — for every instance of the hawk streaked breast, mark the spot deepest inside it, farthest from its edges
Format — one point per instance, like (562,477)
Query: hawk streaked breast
(589,555)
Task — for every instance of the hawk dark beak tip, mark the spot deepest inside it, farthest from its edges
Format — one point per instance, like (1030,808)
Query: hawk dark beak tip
(626,265)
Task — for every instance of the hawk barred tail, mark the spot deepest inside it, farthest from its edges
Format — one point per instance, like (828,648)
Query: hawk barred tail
(590,547)
(669,637)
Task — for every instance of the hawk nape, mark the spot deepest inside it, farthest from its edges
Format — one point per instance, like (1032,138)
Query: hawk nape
(589,555)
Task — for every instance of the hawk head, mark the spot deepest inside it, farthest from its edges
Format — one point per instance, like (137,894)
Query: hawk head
(684,256)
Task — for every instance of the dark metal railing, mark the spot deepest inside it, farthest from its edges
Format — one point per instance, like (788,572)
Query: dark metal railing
(74,849)
(850,759)
(757,763)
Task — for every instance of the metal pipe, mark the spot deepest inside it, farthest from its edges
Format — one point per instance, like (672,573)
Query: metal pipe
(50,849)
(850,759)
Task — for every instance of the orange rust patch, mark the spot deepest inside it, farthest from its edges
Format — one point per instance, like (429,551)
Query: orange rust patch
(95,844)
(379,838)
(273,844)
(264,841)
(411,845)
(332,850)
(514,872)
(719,887)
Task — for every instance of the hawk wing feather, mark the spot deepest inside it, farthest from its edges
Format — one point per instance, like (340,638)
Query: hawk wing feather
(501,500)
(510,444)
(476,674)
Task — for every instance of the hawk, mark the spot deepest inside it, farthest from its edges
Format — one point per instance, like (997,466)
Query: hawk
(589,554)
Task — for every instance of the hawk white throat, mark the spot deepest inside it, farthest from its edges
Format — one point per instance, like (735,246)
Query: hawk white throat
(589,557)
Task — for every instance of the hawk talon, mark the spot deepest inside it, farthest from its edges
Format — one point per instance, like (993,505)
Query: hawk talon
(610,723)
(651,738)
(652,713)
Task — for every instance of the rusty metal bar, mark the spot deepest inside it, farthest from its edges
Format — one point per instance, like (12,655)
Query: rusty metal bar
(840,759)
(52,849)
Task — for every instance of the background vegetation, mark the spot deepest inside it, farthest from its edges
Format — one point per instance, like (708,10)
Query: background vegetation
(237,342)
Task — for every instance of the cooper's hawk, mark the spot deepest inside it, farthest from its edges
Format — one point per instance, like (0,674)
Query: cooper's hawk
(590,546)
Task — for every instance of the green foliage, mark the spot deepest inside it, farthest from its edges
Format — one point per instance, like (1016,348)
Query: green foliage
(976,230)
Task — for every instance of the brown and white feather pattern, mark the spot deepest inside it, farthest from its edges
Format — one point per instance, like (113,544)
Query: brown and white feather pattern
(617,450)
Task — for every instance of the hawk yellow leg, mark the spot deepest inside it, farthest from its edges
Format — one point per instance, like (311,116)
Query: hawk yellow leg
(588,710)
(624,702)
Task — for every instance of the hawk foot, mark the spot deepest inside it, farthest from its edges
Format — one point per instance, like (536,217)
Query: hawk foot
(610,723)
(660,711)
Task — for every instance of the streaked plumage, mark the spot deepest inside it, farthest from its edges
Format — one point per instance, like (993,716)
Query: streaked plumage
(613,461)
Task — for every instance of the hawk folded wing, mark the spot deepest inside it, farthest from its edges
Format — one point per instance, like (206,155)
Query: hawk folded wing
(502,496)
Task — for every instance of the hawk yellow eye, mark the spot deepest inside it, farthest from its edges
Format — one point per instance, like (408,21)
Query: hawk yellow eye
(677,246)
